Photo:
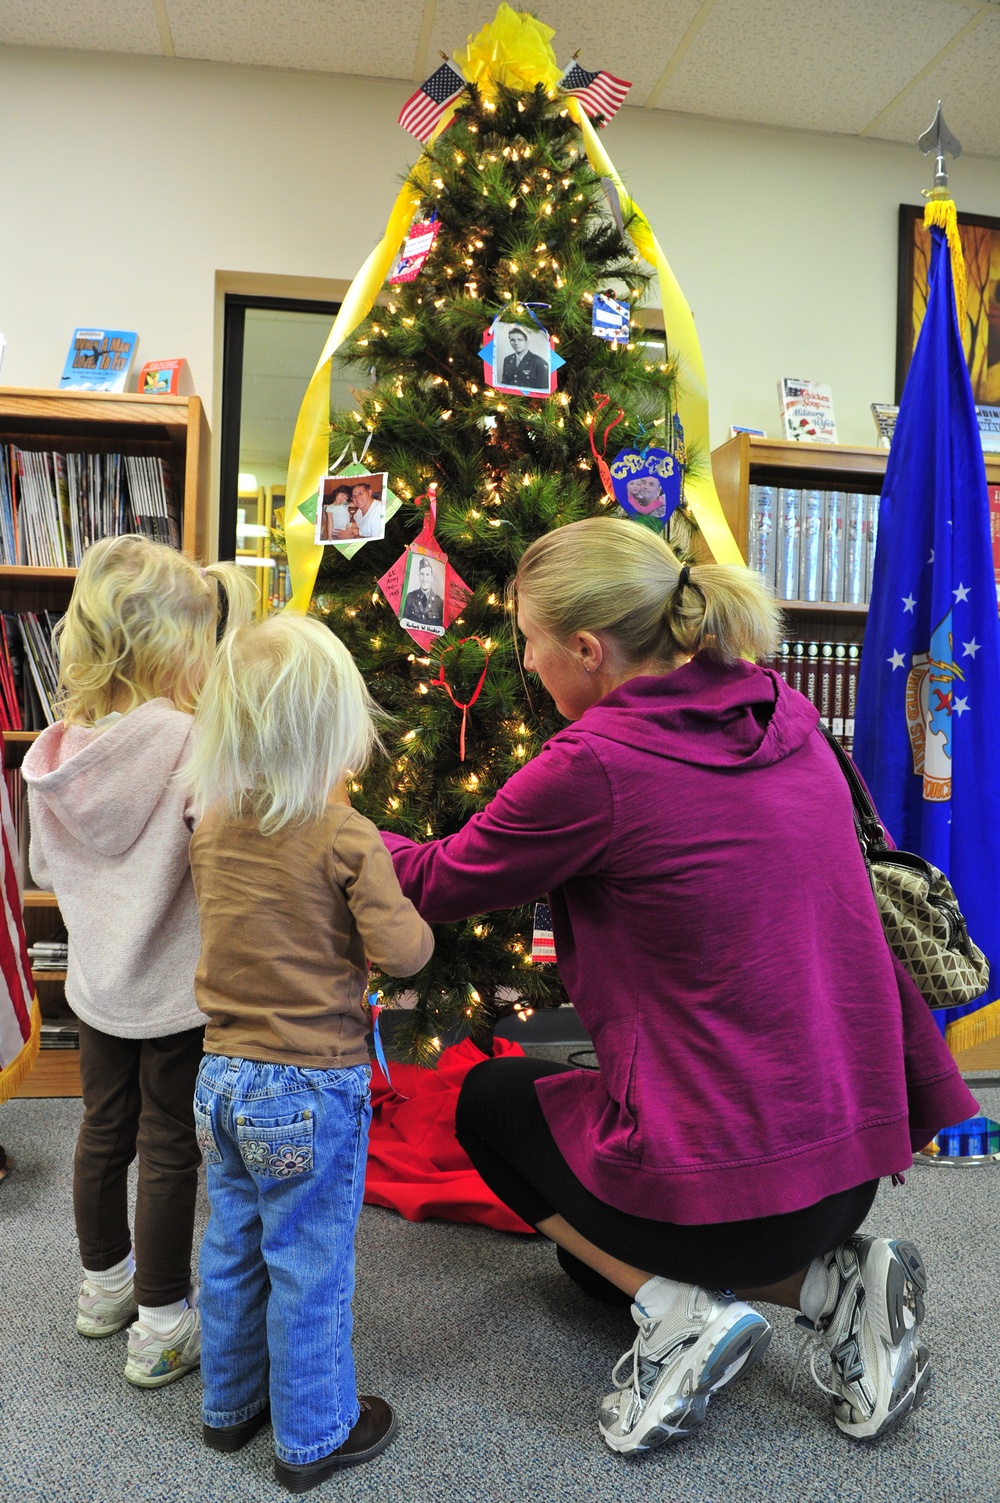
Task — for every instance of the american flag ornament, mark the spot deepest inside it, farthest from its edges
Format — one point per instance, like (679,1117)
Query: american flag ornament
(543,945)
(424,109)
(599,93)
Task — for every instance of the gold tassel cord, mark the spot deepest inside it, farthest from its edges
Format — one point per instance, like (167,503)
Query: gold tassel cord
(942,213)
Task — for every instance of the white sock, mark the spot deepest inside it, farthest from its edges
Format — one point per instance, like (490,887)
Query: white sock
(657,1296)
(162,1318)
(815,1290)
(113,1280)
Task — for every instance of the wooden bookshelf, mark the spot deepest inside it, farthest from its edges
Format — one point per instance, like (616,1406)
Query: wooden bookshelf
(174,429)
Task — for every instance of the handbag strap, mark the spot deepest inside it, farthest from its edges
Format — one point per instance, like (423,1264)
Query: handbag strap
(869,827)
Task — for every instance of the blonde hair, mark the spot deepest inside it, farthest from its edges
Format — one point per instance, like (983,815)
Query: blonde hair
(284,717)
(141,624)
(619,578)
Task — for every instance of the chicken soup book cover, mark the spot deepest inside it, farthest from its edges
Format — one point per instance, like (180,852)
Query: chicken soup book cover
(806,411)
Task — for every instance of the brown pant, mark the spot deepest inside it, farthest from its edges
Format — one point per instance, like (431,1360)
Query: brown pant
(138,1098)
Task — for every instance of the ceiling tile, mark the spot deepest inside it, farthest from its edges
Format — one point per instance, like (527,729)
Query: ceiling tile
(966,84)
(632,39)
(83,26)
(829,67)
(324,36)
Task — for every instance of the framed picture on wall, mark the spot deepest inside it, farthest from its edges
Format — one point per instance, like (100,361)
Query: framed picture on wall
(981,336)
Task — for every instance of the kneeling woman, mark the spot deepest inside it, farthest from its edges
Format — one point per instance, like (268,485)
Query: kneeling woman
(763,1059)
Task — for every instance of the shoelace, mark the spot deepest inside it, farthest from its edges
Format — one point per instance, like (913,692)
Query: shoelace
(813,1343)
(642,1370)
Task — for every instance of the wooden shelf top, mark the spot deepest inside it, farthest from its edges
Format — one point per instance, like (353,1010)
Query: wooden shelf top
(20,738)
(847,460)
(95,406)
(48,975)
(35,899)
(35,574)
(821,607)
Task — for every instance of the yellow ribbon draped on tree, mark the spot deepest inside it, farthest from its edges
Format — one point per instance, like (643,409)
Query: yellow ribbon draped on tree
(515,48)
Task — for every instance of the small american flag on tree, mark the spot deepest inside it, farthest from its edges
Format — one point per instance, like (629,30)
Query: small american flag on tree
(543,945)
(424,109)
(599,93)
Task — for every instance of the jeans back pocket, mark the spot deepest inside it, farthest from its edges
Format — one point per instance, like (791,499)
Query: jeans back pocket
(276,1150)
(205,1134)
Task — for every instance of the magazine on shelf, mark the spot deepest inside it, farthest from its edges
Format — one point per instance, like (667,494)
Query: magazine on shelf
(806,411)
(165,377)
(885,415)
(988,419)
(99,360)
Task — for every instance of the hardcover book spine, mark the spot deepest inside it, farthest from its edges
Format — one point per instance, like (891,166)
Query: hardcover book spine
(826,683)
(799,666)
(811,687)
(760,545)
(811,553)
(839,689)
(856,532)
(994,493)
(851,693)
(784,662)
(873,506)
(833,550)
(788,544)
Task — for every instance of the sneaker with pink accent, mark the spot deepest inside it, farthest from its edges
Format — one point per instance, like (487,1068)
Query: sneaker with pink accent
(99,1313)
(155,1359)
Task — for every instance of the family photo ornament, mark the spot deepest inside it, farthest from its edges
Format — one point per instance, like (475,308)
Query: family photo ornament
(422,588)
(519,359)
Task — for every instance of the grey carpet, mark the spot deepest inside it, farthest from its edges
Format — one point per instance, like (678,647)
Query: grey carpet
(494,1361)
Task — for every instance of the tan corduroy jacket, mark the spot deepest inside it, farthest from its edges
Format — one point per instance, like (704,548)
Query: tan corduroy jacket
(288,924)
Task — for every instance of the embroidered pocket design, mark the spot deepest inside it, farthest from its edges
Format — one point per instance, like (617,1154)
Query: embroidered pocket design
(205,1136)
(277,1150)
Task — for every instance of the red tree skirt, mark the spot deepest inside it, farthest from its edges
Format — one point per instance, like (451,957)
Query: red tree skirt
(415,1163)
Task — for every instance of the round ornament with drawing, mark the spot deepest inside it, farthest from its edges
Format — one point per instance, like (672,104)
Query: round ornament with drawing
(647,484)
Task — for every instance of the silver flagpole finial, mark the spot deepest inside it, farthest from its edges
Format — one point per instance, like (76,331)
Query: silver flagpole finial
(939,139)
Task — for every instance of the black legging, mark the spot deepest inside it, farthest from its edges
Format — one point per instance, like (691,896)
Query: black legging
(502,1128)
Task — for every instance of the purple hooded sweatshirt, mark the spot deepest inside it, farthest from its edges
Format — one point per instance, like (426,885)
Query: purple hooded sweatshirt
(759,1046)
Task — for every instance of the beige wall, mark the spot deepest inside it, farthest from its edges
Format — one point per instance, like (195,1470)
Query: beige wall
(129,183)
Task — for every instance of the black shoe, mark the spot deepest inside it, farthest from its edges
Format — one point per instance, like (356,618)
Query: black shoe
(235,1437)
(375,1428)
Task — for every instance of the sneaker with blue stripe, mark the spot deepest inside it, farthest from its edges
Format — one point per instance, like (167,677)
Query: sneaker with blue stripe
(678,1361)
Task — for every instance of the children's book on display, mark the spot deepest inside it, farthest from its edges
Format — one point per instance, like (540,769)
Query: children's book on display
(99,360)
(806,411)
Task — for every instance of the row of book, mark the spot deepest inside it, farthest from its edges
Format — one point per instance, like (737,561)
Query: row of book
(827,674)
(29,671)
(53,506)
(813,544)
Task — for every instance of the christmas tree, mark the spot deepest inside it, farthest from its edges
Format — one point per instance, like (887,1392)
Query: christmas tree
(525,235)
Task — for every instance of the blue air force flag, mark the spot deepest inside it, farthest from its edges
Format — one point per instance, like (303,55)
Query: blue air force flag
(928,711)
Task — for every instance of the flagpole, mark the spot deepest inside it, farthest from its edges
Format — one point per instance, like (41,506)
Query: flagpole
(975,1142)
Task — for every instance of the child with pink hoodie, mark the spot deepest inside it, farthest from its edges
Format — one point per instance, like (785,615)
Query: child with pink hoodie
(110,827)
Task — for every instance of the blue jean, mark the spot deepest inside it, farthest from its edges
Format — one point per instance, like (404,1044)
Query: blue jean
(284,1151)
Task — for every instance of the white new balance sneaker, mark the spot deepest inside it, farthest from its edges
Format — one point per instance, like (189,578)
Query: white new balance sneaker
(154,1359)
(664,1381)
(99,1313)
(870,1326)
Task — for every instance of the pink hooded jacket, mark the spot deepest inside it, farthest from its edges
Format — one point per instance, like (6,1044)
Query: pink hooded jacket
(110,828)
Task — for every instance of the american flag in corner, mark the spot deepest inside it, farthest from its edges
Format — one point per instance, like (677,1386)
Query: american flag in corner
(424,109)
(599,93)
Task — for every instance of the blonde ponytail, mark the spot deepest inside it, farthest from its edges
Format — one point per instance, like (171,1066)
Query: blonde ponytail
(607,575)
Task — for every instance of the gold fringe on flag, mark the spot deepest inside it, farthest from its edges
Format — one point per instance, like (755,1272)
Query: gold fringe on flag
(976,1028)
(17,1072)
(942,212)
